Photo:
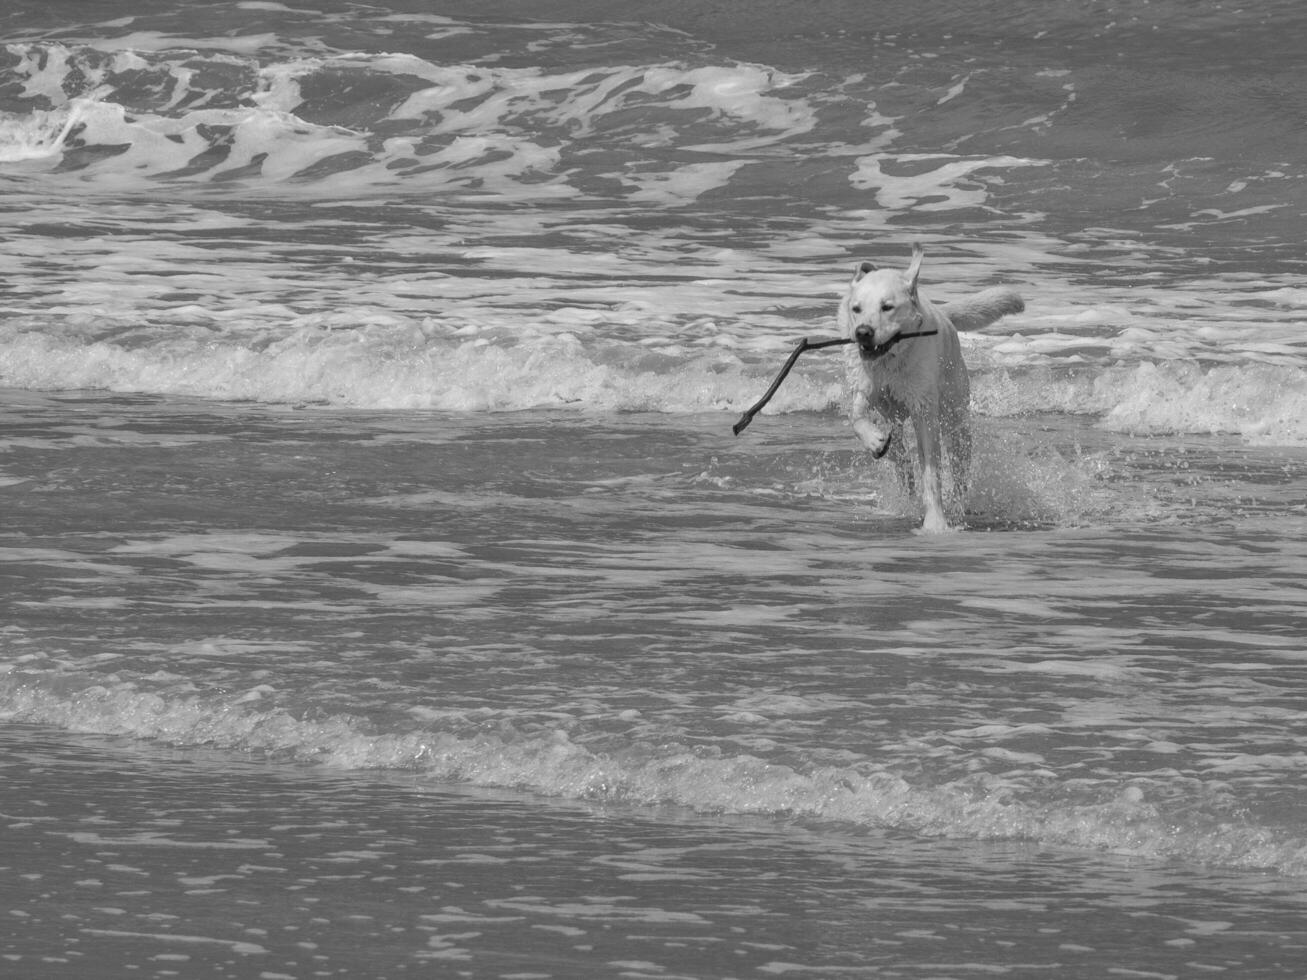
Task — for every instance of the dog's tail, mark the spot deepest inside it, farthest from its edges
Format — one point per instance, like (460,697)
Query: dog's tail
(984,308)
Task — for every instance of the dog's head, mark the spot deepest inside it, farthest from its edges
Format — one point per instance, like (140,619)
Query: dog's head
(881,304)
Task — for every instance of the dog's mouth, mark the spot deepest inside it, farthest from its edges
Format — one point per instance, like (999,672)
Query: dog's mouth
(870,349)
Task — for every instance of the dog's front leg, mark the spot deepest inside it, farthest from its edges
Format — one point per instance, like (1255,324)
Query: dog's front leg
(875,435)
(932,490)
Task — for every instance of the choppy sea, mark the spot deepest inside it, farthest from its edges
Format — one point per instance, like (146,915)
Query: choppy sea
(385,594)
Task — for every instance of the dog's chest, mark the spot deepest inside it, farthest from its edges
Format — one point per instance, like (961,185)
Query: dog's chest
(904,381)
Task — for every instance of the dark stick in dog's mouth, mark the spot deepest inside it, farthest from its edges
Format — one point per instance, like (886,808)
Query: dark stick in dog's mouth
(873,351)
(817,343)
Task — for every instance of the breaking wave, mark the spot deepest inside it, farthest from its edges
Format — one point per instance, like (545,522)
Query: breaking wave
(554,764)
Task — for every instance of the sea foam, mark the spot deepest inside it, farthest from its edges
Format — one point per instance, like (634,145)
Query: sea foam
(553,764)
(383,361)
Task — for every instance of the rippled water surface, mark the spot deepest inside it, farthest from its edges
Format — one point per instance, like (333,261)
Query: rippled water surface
(385,591)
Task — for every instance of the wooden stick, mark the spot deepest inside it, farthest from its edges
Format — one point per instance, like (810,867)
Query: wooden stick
(810,343)
(807,343)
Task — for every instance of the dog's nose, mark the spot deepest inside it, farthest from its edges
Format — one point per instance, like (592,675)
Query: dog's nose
(864,335)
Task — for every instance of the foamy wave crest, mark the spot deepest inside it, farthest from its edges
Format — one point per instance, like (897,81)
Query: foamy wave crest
(393,365)
(554,764)
(381,360)
(38,135)
(1265,404)
(129,113)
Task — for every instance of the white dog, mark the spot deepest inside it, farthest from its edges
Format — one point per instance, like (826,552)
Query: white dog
(909,363)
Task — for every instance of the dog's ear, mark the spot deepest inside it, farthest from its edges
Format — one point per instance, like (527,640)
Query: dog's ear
(914,269)
(862,269)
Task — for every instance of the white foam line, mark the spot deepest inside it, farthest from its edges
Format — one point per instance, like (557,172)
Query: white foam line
(152,840)
(236,945)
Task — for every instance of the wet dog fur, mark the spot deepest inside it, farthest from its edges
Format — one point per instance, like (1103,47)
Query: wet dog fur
(908,365)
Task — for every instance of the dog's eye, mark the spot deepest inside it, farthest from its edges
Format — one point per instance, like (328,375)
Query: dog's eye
(887,306)
(856,308)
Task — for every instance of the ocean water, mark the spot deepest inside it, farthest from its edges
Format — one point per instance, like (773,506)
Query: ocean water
(384,591)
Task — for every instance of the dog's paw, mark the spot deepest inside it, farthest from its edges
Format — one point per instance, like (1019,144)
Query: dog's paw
(876,439)
(936,524)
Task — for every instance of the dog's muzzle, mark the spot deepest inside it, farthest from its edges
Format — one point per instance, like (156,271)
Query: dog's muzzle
(865,338)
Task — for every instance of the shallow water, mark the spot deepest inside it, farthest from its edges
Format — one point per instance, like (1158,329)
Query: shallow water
(198,865)
(383,584)
(643,628)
